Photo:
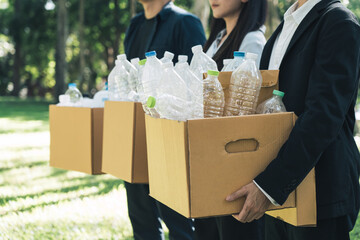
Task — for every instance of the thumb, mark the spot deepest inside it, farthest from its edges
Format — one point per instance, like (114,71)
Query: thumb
(242,192)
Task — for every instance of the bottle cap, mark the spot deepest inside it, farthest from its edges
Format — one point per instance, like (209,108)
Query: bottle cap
(278,93)
(196,48)
(121,57)
(168,55)
(135,61)
(106,86)
(150,54)
(72,85)
(239,54)
(142,62)
(213,73)
(151,102)
(183,58)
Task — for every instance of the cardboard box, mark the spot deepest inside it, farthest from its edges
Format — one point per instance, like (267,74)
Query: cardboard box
(124,143)
(76,138)
(194,165)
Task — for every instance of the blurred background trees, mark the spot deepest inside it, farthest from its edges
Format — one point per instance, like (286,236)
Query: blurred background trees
(45,44)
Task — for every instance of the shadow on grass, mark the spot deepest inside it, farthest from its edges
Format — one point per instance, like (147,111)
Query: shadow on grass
(104,187)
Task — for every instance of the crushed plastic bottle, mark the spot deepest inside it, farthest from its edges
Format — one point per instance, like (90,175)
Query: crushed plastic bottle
(132,78)
(118,83)
(239,58)
(168,57)
(213,96)
(244,88)
(225,63)
(168,106)
(201,62)
(272,105)
(195,89)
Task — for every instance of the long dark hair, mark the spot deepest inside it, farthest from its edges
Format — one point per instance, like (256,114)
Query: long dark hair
(252,17)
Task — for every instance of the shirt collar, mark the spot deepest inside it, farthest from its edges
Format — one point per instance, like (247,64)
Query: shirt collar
(164,13)
(299,14)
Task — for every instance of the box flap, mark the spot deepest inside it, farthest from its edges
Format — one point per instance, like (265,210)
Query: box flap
(97,139)
(216,173)
(119,120)
(140,165)
(168,167)
(71,138)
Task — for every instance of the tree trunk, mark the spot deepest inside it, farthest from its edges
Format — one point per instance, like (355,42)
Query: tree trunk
(81,45)
(17,56)
(273,17)
(61,36)
(117,29)
(132,7)
(201,8)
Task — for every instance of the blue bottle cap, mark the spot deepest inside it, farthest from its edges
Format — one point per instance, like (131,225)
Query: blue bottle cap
(239,54)
(72,85)
(150,54)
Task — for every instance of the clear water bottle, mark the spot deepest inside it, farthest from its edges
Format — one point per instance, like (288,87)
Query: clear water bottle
(239,58)
(135,63)
(244,88)
(118,82)
(201,63)
(181,59)
(75,96)
(168,57)
(101,96)
(195,89)
(169,107)
(272,105)
(132,74)
(151,74)
(225,63)
(213,96)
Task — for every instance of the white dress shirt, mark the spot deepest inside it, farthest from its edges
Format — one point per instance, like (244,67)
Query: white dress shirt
(253,42)
(292,19)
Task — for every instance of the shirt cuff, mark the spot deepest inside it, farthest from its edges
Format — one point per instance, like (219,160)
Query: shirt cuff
(267,195)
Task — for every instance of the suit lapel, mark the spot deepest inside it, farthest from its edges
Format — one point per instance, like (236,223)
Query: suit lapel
(306,23)
(265,59)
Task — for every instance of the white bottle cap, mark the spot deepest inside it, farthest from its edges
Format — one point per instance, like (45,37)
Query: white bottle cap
(121,57)
(183,58)
(251,56)
(168,55)
(196,48)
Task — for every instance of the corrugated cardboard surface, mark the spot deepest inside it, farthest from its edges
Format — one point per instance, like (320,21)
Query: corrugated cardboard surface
(194,165)
(75,138)
(124,142)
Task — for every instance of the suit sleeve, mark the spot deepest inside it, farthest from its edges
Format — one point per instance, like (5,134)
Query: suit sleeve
(190,32)
(332,87)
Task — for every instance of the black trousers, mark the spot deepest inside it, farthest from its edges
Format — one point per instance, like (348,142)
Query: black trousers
(329,229)
(228,228)
(146,213)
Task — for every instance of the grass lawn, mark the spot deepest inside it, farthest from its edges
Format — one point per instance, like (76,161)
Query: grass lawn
(40,202)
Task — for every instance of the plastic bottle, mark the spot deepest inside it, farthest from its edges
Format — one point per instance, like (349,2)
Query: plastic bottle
(213,96)
(169,107)
(75,96)
(168,57)
(132,77)
(226,62)
(151,74)
(118,86)
(101,96)
(135,63)
(182,59)
(239,58)
(201,62)
(195,89)
(244,88)
(272,105)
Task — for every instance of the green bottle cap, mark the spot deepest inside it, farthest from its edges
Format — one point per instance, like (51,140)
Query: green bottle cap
(142,62)
(213,73)
(151,102)
(279,93)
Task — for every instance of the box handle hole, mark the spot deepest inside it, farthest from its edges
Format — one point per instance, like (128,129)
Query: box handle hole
(242,145)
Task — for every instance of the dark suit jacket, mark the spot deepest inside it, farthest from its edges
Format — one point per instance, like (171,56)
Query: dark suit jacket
(320,75)
(177,31)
